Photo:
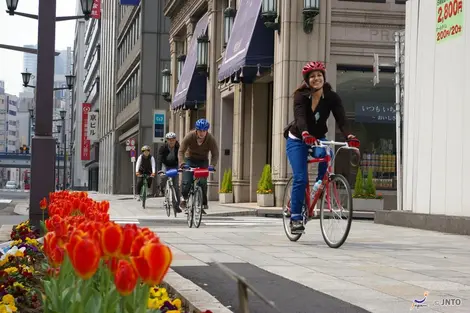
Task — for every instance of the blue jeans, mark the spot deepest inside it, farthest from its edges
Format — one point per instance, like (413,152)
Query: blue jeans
(297,154)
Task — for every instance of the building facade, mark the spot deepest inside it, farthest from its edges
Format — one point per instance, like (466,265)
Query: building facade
(79,175)
(435,173)
(137,43)
(91,89)
(242,76)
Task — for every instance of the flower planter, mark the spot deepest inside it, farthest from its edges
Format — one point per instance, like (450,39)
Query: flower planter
(226,198)
(265,199)
(369,205)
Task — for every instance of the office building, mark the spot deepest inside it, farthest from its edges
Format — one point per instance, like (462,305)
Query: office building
(91,89)
(137,42)
(241,77)
(79,179)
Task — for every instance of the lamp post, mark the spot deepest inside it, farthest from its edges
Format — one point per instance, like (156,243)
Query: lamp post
(311,9)
(31,117)
(202,54)
(43,163)
(229,18)
(64,139)
(57,144)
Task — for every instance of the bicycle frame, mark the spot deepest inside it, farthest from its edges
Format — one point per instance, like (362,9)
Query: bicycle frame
(325,181)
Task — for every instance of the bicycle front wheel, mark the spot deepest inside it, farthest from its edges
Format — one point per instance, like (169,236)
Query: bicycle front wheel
(190,208)
(197,207)
(336,211)
(286,212)
(174,201)
(144,196)
(168,200)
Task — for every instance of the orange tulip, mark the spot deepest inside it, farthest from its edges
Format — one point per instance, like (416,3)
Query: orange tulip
(112,264)
(43,204)
(53,251)
(153,262)
(112,239)
(84,254)
(125,278)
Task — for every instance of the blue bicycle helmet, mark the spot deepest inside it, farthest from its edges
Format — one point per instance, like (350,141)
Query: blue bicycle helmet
(202,124)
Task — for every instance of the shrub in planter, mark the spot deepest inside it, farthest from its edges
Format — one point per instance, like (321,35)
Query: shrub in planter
(365,196)
(225,192)
(264,192)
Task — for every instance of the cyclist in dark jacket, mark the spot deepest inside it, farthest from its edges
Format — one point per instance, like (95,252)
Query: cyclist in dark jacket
(168,159)
(314,100)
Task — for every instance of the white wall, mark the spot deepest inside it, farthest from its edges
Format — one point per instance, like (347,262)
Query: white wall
(437,89)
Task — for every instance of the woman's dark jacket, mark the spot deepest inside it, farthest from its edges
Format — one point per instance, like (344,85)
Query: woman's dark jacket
(315,122)
(163,153)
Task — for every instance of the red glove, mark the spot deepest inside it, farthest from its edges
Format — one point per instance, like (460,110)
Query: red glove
(353,141)
(309,139)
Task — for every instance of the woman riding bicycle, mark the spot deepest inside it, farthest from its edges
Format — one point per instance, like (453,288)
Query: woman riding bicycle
(314,99)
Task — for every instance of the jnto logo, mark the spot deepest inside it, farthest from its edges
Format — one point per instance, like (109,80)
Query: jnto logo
(418,303)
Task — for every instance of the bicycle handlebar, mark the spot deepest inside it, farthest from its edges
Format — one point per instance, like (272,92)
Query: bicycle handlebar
(192,169)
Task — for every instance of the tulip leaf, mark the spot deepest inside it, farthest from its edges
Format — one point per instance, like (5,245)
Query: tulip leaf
(51,300)
(66,298)
(93,305)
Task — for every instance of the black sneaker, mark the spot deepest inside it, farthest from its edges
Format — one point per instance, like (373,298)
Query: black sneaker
(204,208)
(297,227)
(178,210)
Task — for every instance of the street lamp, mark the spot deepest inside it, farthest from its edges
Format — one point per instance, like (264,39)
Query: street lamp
(229,17)
(87,6)
(269,14)
(64,139)
(26,78)
(181,59)
(166,76)
(311,9)
(202,54)
(69,81)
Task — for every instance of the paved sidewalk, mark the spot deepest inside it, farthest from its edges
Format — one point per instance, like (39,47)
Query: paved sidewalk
(125,206)
(380,268)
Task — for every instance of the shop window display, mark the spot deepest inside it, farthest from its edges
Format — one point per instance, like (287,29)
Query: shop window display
(371,116)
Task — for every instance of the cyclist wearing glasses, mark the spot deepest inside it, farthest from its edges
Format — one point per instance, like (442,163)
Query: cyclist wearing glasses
(314,100)
(145,166)
(194,152)
(167,160)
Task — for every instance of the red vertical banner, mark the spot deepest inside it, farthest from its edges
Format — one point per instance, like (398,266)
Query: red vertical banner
(86,107)
(96,9)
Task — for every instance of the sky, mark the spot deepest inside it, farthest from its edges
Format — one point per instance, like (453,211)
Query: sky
(19,31)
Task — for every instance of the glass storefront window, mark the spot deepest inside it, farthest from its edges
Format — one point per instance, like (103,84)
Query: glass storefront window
(371,117)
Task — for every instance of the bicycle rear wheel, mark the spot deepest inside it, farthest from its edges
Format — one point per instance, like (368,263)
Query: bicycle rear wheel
(197,207)
(286,212)
(168,200)
(339,209)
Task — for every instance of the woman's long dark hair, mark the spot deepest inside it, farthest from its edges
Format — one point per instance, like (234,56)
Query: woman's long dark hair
(303,87)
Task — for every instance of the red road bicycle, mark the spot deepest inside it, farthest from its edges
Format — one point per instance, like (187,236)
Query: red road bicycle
(330,194)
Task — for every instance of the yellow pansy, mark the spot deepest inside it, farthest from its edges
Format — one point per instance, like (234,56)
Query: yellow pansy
(8,299)
(177,303)
(11,270)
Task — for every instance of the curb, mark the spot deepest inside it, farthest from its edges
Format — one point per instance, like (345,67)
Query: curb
(234,213)
(194,298)
(21,209)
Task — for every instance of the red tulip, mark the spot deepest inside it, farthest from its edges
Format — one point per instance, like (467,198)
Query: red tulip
(125,278)
(52,249)
(84,254)
(111,239)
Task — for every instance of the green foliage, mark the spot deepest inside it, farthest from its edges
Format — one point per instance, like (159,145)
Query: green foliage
(226,182)
(265,184)
(359,186)
(365,190)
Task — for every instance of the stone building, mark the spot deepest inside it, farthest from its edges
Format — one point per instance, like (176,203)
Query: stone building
(237,63)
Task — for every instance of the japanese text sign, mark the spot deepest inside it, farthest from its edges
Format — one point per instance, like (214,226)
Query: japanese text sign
(85,148)
(96,9)
(92,126)
(375,113)
(449,19)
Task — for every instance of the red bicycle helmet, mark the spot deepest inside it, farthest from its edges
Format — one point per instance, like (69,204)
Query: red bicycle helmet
(313,66)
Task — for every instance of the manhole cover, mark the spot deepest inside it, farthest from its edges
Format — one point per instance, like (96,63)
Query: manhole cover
(130,198)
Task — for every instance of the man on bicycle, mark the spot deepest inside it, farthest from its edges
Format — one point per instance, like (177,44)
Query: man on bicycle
(145,166)
(194,152)
(167,160)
